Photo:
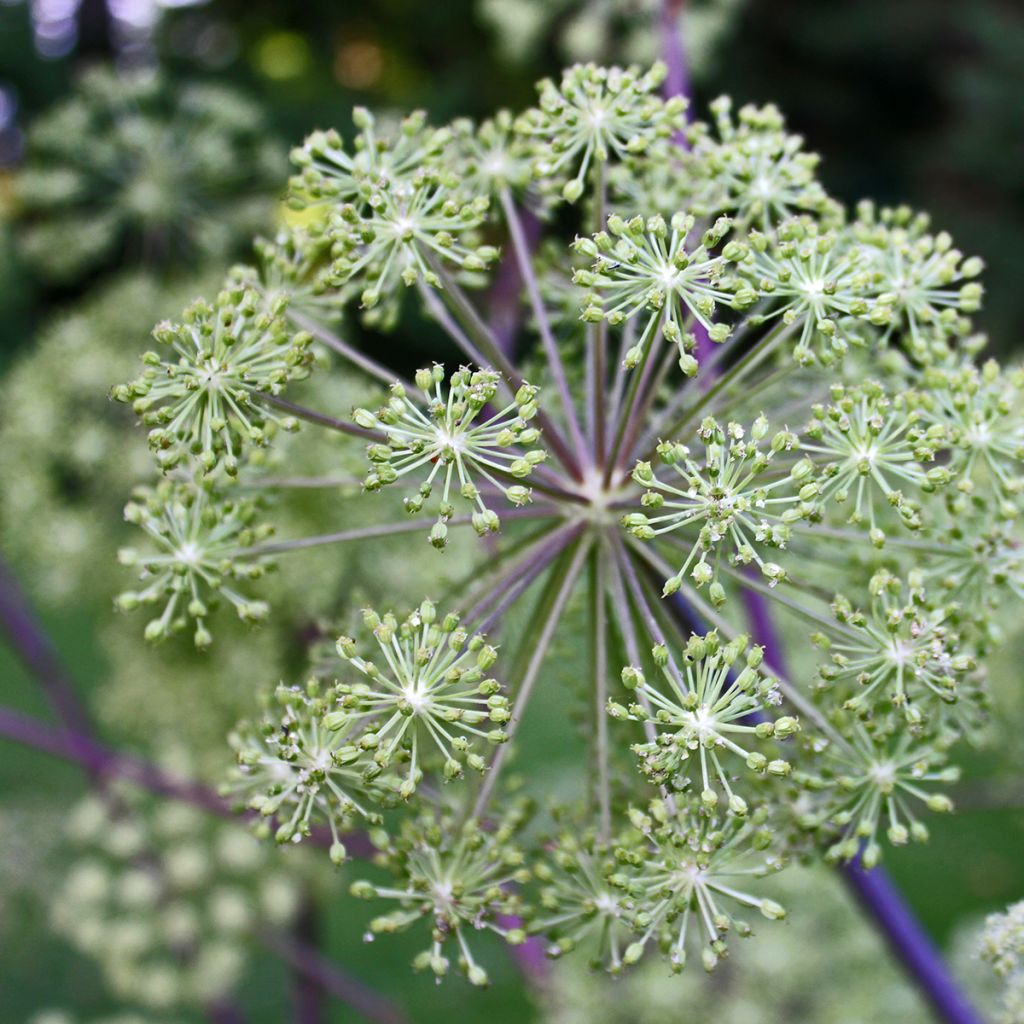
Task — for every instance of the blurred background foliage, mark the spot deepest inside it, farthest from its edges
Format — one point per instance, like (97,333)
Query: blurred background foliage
(915,101)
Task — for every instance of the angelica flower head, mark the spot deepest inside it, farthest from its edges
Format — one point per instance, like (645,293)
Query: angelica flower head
(207,401)
(813,428)
(812,281)
(706,718)
(879,453)
(166,899)
(426,701)
(924,287)
(197,538)
(159,171)
(457,443)
(901,651)
(578,904)
(457,879)
(733,499)
(650,267)
(752,169)
(405,234)
(331,173)
(877,781)
(678,876)
(593,114)
(296,772)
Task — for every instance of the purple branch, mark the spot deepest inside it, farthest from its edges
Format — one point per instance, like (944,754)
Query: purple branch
(103,763)
(504,308)
(878,896)
(885,905)
(318,969)
(529,956)
(33,647)
(224,1012)
(677,80)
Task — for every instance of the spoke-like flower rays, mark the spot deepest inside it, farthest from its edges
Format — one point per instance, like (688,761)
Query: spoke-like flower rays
(645,267)
(710,714)
(207,402)
(459,880)
(735,500)
(446,443)
(595,113)
(197,538)
(429,696)
(684,880)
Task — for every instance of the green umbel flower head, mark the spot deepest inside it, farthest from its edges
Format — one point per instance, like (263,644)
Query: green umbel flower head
(138,168)
(195,556)
(209,401)
(459,445)
(458,879)
(426,700)
(706,718)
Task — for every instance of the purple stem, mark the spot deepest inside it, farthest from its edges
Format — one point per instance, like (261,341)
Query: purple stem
(38,654)
(505,311)
(529,956)
(224,1012)
(878,896)
(673,51)
(33,646)
(104,763)
(677,83)
(323,972)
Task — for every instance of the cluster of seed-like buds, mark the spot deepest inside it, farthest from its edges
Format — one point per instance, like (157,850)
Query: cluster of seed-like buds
(166,899)
(106,174)
(710,713)
(875,779)
(405,234)
(751,168)
(425,701)
(196,555)
(456,878)
(578,905)
(207,402)
(595,114)
(677,876)
(331,173)
(295,267)
(393,209)
(647,266)
(812,280)
(730,499)
(877,449)
(902,651)
(297,773)
(923,288)
(463,448)
(1002,947)
(337,753)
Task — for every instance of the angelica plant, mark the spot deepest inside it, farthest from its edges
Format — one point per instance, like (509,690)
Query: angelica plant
(133,166)
(166,900)
(725,395)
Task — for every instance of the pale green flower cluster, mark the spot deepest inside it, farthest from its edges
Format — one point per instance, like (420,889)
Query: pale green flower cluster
(813,968)
(136,168)
(734,399)
(1002,947)
(165,899)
